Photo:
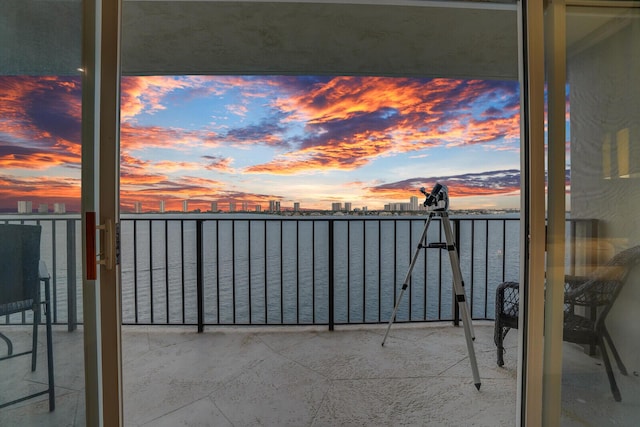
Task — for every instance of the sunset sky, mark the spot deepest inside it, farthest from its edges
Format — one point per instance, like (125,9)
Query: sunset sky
(313,140)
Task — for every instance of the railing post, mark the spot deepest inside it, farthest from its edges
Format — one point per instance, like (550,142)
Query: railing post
(331,289)
(454,302)
(199,284)
(72,307)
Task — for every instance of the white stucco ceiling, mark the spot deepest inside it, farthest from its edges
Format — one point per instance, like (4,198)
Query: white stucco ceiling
(453,39)
(409,37)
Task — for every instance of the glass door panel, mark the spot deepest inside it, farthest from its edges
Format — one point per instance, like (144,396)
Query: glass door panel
(599,351)
(42,380)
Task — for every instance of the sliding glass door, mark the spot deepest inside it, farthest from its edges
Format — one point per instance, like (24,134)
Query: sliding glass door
(591,341)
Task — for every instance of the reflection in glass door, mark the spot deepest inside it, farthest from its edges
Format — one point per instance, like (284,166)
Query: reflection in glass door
(600,349)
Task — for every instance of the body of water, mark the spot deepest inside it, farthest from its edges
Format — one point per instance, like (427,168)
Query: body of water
(276,271)
(261,269)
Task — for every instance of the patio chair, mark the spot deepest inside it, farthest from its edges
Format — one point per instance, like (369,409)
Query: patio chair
(21,274)
(595,293)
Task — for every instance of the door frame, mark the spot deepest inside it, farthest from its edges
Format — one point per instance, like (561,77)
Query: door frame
(100,193)
(109,201)
(532,217)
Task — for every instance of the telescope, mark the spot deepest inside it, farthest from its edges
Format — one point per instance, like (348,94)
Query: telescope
(438,194)
(439,199)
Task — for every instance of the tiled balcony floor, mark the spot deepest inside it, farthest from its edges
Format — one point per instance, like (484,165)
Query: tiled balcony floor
(307,377)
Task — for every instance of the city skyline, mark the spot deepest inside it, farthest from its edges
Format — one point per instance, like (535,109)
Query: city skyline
(413,205)
(368,141)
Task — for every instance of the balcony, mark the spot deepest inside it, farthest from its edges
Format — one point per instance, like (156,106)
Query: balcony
(292,333)
(298,376)
(309,376)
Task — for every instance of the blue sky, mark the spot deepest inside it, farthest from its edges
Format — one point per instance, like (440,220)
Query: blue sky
(313,140)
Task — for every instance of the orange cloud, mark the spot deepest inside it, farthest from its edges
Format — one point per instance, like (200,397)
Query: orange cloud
(58,190)
(31,159)
(342,97)
(219,164)
(339,155)
(352,120)
(145,137)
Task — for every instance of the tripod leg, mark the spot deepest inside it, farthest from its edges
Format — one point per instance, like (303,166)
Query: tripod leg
(458,283)
(458,288)
(393,315)
(468,333)
(405,284)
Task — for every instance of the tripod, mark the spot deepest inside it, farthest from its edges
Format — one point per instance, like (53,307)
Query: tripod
(438,194)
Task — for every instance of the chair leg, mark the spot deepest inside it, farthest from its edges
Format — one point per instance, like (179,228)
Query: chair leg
(498,336)
(9,344)
(47,313)
(607,364)
(614,351)
(34,346)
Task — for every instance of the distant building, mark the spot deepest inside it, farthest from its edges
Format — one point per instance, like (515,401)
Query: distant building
(185,206)
(258,208)
(413,203)
(397,207)
(214,206)
(25,207)
(43,208)
(137,207)
(232,207)
(347,207)
(296,206)
(245,206)
(274,206)
(59,208)
(336,206)
(161,206)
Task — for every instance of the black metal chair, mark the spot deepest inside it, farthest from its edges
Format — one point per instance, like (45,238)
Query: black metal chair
(507,311)
(595,293)
(21,274)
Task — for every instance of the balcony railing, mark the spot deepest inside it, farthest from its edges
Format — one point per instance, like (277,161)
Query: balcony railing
(274,270)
